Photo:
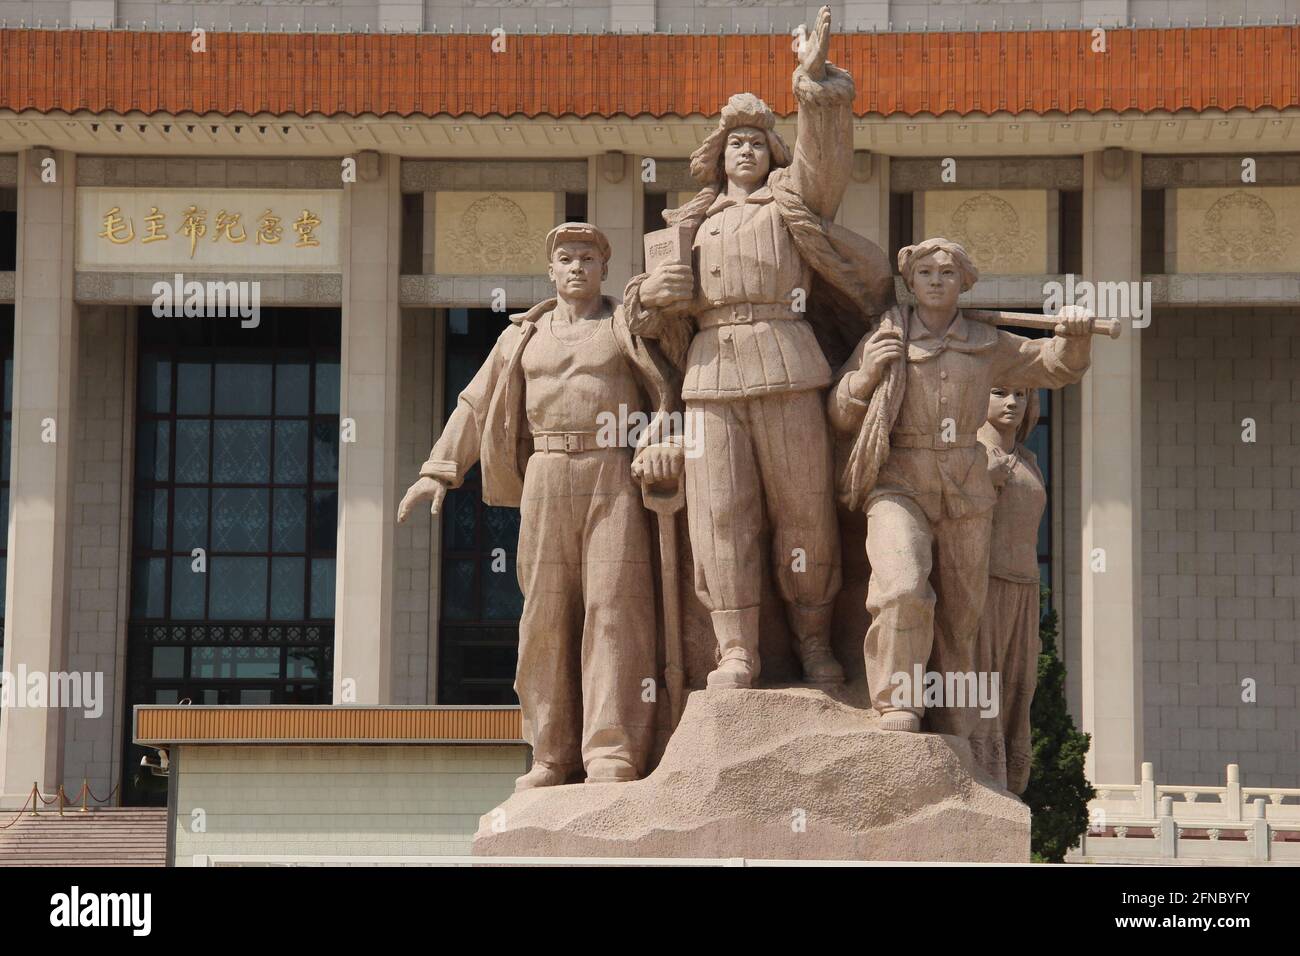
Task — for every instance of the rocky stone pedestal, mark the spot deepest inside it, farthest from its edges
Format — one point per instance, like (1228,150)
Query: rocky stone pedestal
(790,773)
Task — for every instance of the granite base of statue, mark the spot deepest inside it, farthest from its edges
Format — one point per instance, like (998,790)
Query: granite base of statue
(780,774)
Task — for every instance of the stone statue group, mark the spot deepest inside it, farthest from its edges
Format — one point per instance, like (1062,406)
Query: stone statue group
(808,391)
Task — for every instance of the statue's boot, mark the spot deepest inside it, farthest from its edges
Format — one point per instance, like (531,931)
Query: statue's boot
(543,775)
(811,626)
(611,770)
(738,661)
(903,720)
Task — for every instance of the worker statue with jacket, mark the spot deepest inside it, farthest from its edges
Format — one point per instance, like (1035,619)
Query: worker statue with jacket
(532,416)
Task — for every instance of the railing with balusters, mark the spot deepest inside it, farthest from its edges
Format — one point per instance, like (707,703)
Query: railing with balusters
(1149,821)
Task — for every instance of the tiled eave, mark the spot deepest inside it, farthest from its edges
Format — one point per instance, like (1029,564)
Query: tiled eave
(469,75)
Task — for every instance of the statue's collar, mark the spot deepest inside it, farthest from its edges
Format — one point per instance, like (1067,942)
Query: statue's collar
(958,328)
(962,335)
(761,195)
(547,305)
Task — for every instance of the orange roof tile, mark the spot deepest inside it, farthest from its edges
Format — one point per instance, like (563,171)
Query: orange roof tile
(659,75)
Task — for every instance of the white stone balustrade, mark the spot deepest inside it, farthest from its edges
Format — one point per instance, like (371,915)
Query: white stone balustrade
(1185,824)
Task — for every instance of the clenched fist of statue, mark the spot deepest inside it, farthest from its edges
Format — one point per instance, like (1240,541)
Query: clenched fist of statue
(884,346)
(1000,468)
(658,464)
(1073,320)
(426,489)
(667,286)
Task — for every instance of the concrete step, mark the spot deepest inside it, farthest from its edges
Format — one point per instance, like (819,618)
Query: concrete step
(108,836)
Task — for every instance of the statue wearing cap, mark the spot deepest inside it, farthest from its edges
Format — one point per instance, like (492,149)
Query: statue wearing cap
(775,297)
(531,416)
(912,398)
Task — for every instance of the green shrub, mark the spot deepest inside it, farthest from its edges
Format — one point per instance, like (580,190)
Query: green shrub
(1058,792)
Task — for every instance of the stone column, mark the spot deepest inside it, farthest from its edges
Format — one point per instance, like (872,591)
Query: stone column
(414,606)
(100,557)
(1111,482)
(612,183)
(368,403)
(865,207)
(38,581)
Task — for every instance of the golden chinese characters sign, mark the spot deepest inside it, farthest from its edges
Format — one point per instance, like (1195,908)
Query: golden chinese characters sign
(213,230)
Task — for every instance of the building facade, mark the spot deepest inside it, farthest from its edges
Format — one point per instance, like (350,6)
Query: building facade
(202,509)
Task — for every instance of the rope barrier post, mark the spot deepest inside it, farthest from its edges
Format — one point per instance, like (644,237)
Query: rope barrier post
(36,798)
(62,798)
(85,790)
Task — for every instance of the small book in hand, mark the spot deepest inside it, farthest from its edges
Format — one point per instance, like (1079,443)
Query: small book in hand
(668,247)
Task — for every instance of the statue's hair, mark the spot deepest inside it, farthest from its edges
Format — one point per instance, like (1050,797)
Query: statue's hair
(743,109)
(1031,417)
(909,256)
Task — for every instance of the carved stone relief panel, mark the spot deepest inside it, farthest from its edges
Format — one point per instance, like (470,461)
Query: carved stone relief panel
(491,233)
(1005,231)
(1250,229)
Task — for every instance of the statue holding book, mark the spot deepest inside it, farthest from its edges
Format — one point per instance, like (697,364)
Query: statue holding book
(748,290)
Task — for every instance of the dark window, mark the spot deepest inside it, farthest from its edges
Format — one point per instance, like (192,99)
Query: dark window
(8,230)
(655,204)
(1070,231)
(900,225)
(1040,443)
(412,261)
(237,446)
(1153,231)
(575,207)
(478,630)
(7,390)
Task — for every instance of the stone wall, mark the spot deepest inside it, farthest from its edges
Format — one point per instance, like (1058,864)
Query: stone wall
(1220,544)
(359,800)
(414,607)
(98,558)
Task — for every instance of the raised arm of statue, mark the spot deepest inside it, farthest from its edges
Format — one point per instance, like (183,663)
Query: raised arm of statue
(823,149)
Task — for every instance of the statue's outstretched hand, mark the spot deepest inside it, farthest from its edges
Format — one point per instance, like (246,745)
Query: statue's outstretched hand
(812,53)
(426,489)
